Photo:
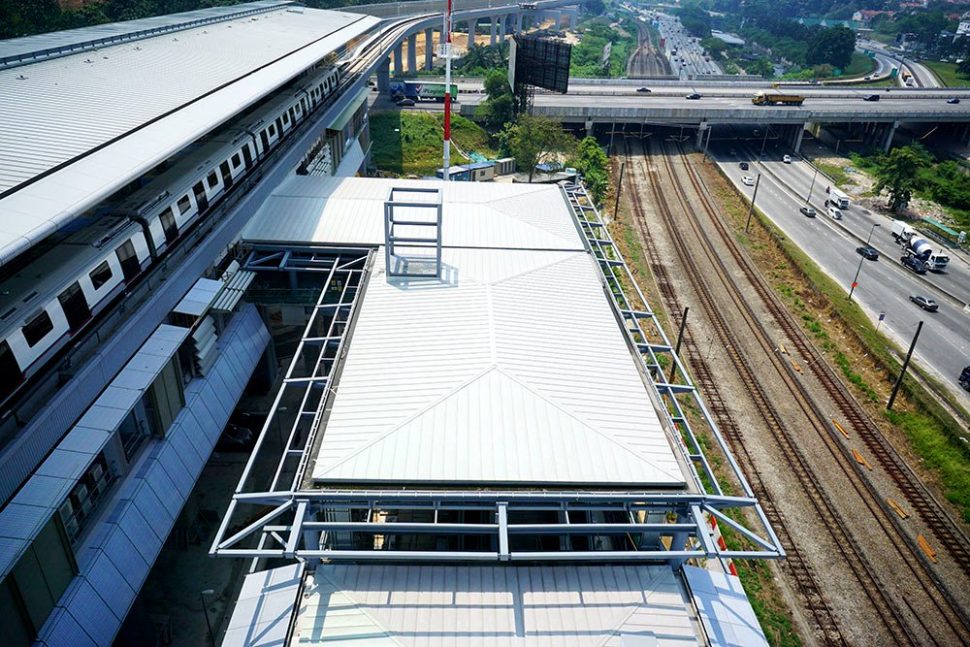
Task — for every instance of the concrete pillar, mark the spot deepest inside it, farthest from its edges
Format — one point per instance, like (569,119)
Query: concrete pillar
(384,76)
(589,127)
(471,32)
(493,31)
(518,22)
(428,49)
(501,28)
(701,128)
(413,53)
(573,17)
(887,142)
(797,141)
(398,61)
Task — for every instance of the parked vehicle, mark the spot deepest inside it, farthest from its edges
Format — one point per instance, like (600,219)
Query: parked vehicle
(808,212)
(869,252)
(925,303)
(913,263)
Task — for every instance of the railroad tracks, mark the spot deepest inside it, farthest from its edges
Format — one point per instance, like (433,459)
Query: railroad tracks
(897,614)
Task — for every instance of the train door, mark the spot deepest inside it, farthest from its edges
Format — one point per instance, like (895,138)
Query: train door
(264,138)
(75,306)
(168,225)
(130,267)
(226,175)
(200,197)
(247,157)
(10,373)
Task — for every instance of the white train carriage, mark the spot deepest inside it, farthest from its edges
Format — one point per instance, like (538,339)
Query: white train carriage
(53,297)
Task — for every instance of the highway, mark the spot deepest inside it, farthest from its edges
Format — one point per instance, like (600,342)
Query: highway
(689,59)
(884,285)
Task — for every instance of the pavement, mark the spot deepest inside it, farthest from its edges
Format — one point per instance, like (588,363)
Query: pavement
(884,285)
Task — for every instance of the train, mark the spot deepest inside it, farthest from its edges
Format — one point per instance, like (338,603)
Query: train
(57,294)
(763,98)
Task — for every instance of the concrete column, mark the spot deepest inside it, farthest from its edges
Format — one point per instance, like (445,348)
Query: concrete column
(518,22)
(887,142)
(573,17)
(493,31)
(428,49)
(699,142)
(471,32)
(501,27)
(384,76)
(413,53)
(398,61)
(589,127)
(797,141)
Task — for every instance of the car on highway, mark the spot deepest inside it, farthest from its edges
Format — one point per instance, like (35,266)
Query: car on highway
(693,96)
(925,303)
(747,180)
(786,159)
(643,90)
(869,252)
(953,100)
(808,212)
(913,263)
(404,102)
(871,97)
(744,166)
(834,213)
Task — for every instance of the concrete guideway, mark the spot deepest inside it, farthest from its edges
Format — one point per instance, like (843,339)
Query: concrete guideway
(884,285)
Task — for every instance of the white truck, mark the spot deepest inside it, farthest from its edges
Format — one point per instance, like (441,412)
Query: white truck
(838,198)
(915,245)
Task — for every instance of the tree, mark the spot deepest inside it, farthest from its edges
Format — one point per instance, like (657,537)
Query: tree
(592,162)
(898,173)
(498,108)
(594,7)
(833,45)
(536,140)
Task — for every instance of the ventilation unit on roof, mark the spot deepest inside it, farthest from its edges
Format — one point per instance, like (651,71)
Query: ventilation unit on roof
(412,232)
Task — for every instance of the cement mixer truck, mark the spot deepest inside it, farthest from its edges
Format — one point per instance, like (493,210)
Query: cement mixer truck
(914,244)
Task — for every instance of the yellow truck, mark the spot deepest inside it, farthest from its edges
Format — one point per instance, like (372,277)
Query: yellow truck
(774,98)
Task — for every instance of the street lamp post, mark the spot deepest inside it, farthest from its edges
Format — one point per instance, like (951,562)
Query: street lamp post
(808,197)
(862,259)
(208,623)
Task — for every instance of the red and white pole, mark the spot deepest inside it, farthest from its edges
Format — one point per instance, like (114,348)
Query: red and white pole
(447,30)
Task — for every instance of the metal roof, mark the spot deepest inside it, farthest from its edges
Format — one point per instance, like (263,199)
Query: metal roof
(350,211)
(78,127)
(495,606)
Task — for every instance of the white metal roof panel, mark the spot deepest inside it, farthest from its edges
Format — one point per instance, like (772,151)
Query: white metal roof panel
(724,609)
(350,211)
(198,299)
(493,606)
(88,128)
(512,369)
(263,608)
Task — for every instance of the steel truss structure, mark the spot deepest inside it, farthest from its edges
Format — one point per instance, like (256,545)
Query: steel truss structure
(293,519)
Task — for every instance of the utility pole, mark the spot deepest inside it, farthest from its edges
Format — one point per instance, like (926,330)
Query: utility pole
(902,372)
(808,197)
(680,338)
(754,196)
(855,279)
(619,188)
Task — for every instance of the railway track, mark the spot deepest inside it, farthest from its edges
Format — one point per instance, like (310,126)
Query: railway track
(646,60)
(892,613)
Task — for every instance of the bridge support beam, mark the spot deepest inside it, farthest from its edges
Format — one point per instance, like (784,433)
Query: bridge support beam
(573,17)
(398,60)
(889,133)
(428,49)
(384,76)
(471,32)
(413,53)
(518,22)
(502,25)
(702,130)
(589,127)
(493,30)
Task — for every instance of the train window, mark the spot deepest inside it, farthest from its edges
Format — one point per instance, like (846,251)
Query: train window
(286,118)
(184,204)
(10,373)
(272,130)
(212,180)
(37,328)
(167,218)
(6,314)
(235,160)
(100,275)
(75,306)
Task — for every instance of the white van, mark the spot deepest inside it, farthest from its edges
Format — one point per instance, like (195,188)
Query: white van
(834,212)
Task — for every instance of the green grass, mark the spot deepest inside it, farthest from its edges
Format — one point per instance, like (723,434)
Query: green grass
(839,176)
(410,142)
(947,73)
(860,65)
